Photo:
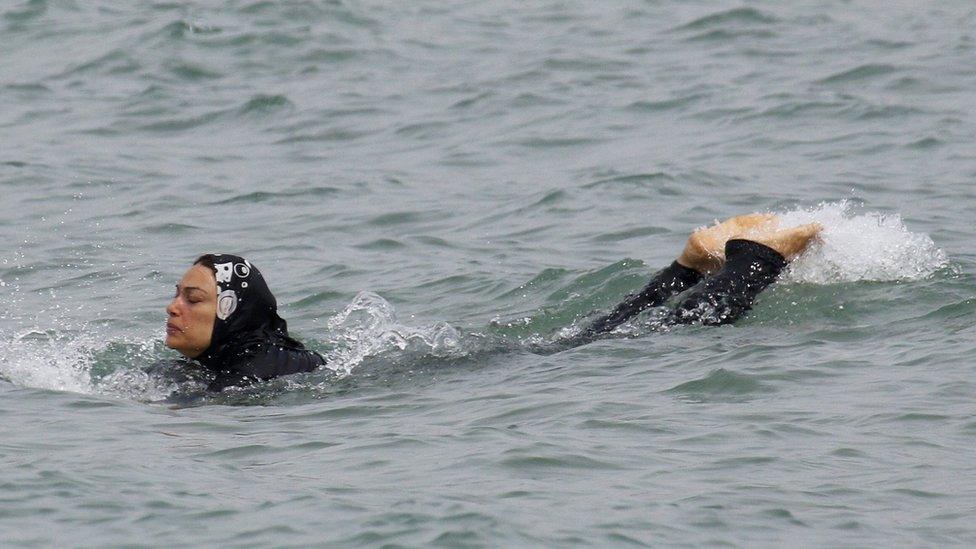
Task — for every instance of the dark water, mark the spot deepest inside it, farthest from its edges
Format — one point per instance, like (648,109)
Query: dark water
(429,187)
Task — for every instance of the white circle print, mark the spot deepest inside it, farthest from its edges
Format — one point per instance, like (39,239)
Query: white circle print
(226,304)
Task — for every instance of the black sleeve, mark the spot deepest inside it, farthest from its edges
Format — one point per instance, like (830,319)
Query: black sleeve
(266,361)
(670,281)
(749,268)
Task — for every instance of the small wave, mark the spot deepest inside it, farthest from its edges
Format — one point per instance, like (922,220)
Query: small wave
(250,198)
(586,65)
(113,62)
(925,143)
(725,35)
(180,29)
(553,142)
(664,104)
(369,327)
(32,90)
(380,245)
(736,16)
(170,228)
(328,135)
(333,55)
(193,72)
(30,10)
(720,382)
(797,108)
(264,103)
(281,196)
(640,180)
(182,124)
(859,73)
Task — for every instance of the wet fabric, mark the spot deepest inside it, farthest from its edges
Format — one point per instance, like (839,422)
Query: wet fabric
(250,342)
(673,280)
(749,268)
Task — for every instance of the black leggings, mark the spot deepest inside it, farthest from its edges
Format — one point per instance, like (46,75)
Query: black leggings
(749,268)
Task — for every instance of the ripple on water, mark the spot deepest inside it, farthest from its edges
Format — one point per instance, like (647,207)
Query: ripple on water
(519,461)
(662,105)
(724,36)
(380,245)
(867,71)
(262,104)
(720,384)
(732,17)
(112,62)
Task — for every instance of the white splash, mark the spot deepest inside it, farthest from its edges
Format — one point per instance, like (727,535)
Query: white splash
(368,327)
(63,360)
(870,246)
(47,360)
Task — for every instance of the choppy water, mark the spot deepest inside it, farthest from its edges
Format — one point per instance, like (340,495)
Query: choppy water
(429,186)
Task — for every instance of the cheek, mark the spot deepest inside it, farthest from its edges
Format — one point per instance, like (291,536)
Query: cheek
(203,321)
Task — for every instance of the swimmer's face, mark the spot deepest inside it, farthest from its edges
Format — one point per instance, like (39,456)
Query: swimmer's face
(192,313)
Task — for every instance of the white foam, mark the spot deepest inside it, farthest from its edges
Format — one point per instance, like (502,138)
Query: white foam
(861,246)
(47,360)
(134,384)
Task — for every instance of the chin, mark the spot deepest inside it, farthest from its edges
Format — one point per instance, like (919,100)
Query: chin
(175,346)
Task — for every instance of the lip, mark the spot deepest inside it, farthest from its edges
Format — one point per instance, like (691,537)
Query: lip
(172,329)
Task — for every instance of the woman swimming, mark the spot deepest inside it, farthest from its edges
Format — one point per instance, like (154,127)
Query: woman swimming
(224,316)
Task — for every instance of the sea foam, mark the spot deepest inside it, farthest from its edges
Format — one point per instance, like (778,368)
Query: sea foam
(861,246)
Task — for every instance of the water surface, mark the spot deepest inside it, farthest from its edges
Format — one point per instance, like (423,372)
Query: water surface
(431,188)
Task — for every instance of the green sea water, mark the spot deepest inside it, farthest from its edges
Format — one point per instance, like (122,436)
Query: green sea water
(431,190)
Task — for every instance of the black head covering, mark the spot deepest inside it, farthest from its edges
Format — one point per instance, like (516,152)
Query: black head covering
(247,312)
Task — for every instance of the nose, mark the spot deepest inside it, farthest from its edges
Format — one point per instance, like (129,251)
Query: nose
(171,309)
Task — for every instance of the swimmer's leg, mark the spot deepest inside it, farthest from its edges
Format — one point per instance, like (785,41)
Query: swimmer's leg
(670,281)
(750,266)
(703,254)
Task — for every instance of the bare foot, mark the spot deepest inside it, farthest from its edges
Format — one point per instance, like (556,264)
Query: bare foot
(788,242)
(705,249)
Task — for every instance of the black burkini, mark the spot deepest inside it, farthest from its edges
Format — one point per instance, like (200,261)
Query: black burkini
(749,268)
(250,341)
